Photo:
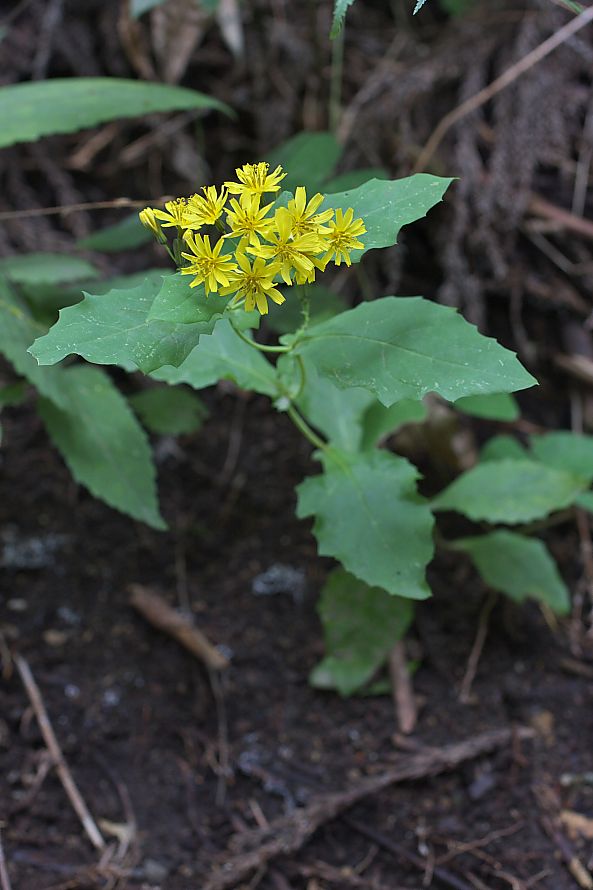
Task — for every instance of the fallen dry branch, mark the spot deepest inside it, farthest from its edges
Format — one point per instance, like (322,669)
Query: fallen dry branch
(286,835)
(160,614)
(62,769)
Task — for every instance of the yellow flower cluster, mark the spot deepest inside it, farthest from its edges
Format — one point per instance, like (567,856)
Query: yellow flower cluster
(257,246)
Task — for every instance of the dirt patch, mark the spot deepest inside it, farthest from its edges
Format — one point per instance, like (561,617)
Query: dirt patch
(144,734)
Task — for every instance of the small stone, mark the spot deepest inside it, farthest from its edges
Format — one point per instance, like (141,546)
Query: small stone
(280,578)
(55,637)
(17,605)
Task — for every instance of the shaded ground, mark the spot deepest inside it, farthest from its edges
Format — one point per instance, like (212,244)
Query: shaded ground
(147,738)
(133,710)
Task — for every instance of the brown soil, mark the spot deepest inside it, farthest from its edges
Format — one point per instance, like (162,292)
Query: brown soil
(138,721)
(150,738)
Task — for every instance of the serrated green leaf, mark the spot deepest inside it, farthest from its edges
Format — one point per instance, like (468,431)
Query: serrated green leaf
(223,356)
(369,517)
(519,566)
(178,303)
(46,268)
(361,624)
(65,105)
(126,234)
(406,347)
(353,179)
(494,406)
(501,448)
(169,410)
(17,331)
(287,317)
(113,329)
(419,5)
(337,413)
(509,491)
(308,158)
(103,444)
(566,451)
(45,300)
(340,8)
(387,205)
(379,421)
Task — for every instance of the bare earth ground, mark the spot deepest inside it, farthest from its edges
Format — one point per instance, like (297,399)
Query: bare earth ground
(146,739)
(175,766)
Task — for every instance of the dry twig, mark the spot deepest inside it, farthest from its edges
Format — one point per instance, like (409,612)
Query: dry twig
(474,656)
(62,769)
(406,709)
(160,614)
(500,83)
(289,833)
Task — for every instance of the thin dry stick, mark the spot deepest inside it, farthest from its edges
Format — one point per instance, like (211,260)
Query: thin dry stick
(474,656)
(72,208)
(4,879)
(403,694)
(65,776)
(288,834)
(505,79)
(160,614)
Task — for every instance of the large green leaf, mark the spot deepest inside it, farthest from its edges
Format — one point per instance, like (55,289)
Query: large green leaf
(103,444)
(113,329)
(337,413)
(17,331)
(224,356)
(388,205)
(405,347)
(369,517)
(46,268)
(361,624)
(519,566)
(503,447)
(123,235)
(353,179)
(379,421)
(567,451)
(178,303)
(169,410)
(65,105)
(510,491)
(287,317)
(307,158)
(494,406)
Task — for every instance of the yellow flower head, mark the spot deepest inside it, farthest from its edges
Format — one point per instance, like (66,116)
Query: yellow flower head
(148,220)
(289,252)
(255,179)
(205,209)
(343,238)
(303,215)
(247,219)
(253,282)
(206,264)
(174,214)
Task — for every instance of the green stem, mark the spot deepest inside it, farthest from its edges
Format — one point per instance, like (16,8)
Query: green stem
(303,373)
(305,429)
(256,345)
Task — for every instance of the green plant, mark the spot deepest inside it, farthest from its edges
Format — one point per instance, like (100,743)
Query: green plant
(347,378)
(88,418)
